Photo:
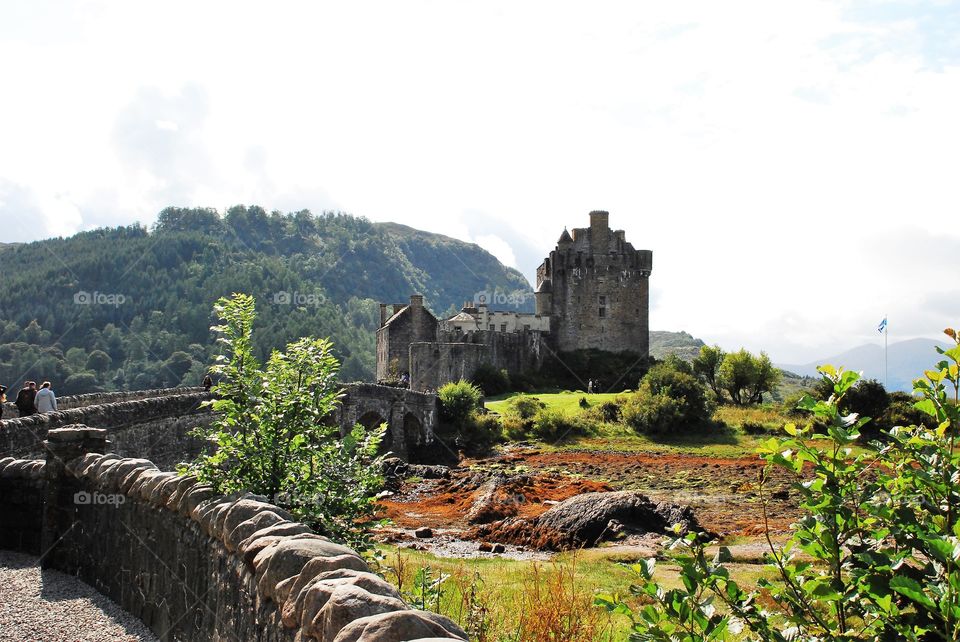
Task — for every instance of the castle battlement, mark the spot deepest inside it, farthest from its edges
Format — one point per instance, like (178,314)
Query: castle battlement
(592,293)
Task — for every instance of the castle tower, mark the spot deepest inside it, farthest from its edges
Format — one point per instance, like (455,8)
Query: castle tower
(595,287)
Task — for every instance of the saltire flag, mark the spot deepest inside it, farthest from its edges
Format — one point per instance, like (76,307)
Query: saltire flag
(883,325)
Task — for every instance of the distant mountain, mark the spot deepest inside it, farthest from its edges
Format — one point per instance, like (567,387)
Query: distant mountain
(906,361)
(129,307)
(682,344)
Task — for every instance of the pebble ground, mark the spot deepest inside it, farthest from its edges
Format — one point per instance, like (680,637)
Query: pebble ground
(48,606)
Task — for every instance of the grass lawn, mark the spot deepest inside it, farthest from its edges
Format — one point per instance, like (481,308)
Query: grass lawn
(511,590)
(564,401)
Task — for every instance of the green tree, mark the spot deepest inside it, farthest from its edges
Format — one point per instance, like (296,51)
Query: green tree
(707,367)
(272,434)
(746,378)
(98,361)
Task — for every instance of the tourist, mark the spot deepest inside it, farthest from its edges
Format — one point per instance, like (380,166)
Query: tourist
(590,386)
(207,383)
(405,380)
(45,400)
(3,399)
(25,398)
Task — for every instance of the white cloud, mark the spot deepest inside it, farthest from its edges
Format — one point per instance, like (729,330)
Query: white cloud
(780,159)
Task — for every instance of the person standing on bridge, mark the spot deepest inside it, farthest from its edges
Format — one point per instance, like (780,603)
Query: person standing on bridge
(46,401)
(25,398)
(3,399)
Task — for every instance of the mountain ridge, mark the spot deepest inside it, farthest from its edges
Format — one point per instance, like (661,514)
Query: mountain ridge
(906,361)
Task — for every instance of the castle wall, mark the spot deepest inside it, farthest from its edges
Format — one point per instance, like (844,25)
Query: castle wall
(457,356)
(191,564)
(413,323)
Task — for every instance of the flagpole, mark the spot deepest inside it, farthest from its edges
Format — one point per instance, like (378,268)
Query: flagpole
(886,331)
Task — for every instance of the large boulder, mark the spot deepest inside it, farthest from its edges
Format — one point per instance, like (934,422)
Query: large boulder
(400,626)
(590,518)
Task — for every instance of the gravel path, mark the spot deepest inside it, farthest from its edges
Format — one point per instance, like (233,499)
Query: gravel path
(48,606)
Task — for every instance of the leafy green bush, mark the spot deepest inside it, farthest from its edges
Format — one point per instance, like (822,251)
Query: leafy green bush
(524,406)
(880,538)
(484,429)
(901,411)
(491,380)
(270,436)
(608,411)
(458,401)
(514,427)
(669,398)
(555,425)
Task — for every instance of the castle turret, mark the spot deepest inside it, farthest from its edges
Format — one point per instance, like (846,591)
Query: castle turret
(599,230)
(594,286)
(544,297)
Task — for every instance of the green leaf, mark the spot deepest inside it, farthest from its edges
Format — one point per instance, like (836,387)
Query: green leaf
(911,589)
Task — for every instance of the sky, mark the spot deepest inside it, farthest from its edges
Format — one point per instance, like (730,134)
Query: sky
(794,166)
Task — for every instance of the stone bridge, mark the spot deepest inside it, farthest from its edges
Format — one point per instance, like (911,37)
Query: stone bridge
(411,417)
(156,424)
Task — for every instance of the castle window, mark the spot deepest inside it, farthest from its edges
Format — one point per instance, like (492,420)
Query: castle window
(493,327)
(503,327)
(526,326)
(603,300)
(603,312)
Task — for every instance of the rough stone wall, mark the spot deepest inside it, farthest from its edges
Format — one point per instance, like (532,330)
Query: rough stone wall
(24,437)
(414,323)
(457,356)
(411,416)
(21,504)
(98,398)
(196,566)
(598,269)
(434,364)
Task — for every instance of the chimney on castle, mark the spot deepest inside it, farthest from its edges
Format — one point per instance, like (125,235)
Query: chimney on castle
(599,231)
(383,314)
(416,300)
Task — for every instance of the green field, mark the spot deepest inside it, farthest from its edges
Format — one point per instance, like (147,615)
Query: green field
(565,401)
(518,598)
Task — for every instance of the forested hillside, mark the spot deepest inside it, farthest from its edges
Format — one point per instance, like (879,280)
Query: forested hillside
(131,308)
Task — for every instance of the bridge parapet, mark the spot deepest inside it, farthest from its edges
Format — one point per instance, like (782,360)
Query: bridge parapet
(191,564)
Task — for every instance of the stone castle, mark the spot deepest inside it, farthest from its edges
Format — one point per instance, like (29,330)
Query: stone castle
(592,293)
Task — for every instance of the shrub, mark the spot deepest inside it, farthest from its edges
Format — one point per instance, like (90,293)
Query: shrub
(269,435)
(491,380)
(524,406)
(608,411)
(458,401)
(753,428)
(901,411)
(554,425)
(484,429)
(514,427)
(880,536)
(669,398)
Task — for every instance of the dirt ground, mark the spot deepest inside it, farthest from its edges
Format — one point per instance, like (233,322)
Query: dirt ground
(723,492)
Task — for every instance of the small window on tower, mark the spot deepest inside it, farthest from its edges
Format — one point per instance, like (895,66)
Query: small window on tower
(603,312)
(503,327)
(603,300)
(492,327)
